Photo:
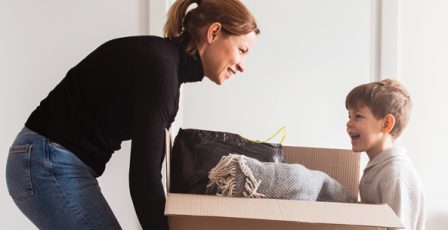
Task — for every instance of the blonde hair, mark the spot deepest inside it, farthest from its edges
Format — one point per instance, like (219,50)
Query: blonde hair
(383,97)
(186,25)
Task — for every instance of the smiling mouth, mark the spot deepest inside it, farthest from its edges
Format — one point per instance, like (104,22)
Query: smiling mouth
(231,71)
(354,136)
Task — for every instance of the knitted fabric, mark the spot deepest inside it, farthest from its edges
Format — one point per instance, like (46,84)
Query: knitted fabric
(240,176)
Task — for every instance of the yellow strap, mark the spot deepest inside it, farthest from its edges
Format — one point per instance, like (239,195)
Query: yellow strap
(283,128)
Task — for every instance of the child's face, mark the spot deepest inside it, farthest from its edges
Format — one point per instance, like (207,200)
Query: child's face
(365,131)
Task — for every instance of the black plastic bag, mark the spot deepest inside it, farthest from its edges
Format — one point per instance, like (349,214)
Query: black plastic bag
(196,151)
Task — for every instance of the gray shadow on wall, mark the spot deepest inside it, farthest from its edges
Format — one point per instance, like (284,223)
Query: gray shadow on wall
(143,16)
(439,221)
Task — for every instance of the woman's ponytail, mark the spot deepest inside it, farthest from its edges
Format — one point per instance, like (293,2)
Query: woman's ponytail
(174,24)
(186,26)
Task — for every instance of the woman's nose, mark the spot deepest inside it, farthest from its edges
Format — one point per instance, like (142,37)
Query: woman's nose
(240,66)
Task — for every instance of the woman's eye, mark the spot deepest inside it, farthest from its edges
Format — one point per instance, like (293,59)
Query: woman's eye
(243,51)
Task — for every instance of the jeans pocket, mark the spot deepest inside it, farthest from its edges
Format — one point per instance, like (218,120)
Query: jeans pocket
(18,173)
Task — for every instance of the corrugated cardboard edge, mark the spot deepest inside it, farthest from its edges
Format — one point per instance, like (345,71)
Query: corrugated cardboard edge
(328,213)
(168,147)
(218,223)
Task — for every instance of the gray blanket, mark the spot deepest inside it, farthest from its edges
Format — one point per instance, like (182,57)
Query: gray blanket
(240,176)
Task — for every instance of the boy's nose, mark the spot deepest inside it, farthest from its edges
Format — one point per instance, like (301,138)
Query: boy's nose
(349,124)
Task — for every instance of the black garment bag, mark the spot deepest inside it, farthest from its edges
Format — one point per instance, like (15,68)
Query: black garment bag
(197,151)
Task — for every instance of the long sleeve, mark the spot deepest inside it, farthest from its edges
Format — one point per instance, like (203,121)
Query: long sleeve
(403,200)
(153,104)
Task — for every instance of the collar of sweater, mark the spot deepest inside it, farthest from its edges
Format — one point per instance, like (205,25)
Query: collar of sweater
(191,68)
(393,152)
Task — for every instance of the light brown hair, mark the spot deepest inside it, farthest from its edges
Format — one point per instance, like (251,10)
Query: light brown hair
(187,25)
(383,97)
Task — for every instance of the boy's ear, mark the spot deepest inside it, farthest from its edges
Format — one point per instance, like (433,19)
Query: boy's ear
(389,123)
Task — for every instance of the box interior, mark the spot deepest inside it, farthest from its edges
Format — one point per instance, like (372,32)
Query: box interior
(200,212)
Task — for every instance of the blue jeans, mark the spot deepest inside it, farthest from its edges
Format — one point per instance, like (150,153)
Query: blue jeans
(53,188)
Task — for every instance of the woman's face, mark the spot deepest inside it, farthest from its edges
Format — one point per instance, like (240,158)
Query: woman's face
(223,55)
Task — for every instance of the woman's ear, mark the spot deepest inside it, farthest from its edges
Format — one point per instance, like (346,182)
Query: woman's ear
(212,31)
(389,123)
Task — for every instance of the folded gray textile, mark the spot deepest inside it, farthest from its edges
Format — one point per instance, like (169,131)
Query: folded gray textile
(240,176)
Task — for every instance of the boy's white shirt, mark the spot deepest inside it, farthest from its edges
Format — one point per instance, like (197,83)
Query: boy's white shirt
(391,178)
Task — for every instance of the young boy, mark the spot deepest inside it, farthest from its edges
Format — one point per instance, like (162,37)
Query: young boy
(378,113)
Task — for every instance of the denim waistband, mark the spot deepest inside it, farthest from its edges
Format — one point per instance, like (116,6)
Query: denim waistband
(26,131)
(28,135)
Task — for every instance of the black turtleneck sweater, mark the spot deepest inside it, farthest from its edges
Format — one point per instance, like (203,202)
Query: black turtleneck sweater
(127,89)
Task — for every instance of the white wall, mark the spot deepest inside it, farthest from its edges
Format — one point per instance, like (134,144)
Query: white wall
(423,68)
(39,42)
(307,58)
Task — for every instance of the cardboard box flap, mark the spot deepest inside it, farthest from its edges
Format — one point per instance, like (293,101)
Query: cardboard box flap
(281,210)
(341,164)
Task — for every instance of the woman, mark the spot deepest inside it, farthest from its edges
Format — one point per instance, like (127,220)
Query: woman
(127,89)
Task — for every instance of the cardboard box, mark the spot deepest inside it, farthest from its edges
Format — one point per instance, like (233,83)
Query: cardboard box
(205,212)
